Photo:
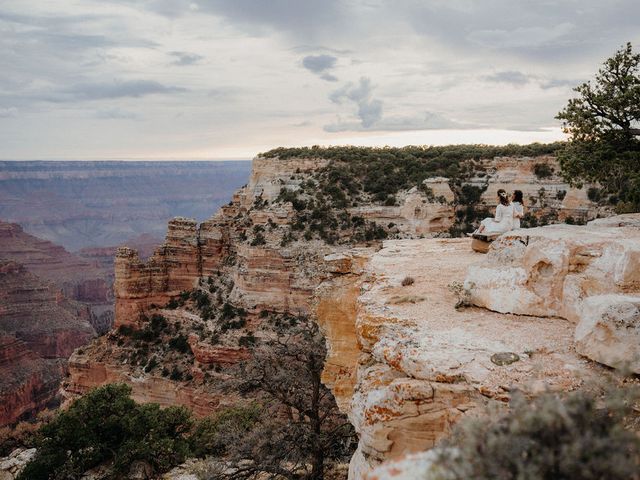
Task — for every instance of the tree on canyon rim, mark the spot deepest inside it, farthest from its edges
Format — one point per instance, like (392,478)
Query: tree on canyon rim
(604,127)
(299,428)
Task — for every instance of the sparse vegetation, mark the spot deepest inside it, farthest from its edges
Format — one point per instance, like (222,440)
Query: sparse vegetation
(578,437)
(542,171)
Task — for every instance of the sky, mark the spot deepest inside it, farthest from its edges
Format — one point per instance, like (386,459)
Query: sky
(226,79)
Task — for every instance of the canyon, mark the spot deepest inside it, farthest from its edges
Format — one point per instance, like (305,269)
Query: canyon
(417,333)
(39,329)
(403,362)
(80,204)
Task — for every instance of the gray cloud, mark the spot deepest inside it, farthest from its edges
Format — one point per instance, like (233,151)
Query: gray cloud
(320,65)
(306,20)
(369,109)
(111,90)
(115,114)
(427,121)
(510,76)
(8,112)
(185,58)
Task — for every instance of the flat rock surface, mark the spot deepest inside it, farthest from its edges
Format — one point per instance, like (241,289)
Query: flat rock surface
(430,339)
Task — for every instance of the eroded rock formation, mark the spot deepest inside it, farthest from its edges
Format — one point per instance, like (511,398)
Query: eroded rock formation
(39,330)
(589,275)
(76,277)
(405,365)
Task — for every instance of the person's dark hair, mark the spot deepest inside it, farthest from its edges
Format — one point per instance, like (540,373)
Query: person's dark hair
(502,197)
(517,197)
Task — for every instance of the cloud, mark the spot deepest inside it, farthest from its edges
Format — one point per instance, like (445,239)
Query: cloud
(115,114)
(115,89)
(185,58)
(559,83)
(320,65)
(369,109)
(521,36)
(8,112)
(510,76)
(303,19)
(427,121)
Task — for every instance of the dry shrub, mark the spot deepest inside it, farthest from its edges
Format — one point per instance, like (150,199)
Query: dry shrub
(408,281)
(578,437)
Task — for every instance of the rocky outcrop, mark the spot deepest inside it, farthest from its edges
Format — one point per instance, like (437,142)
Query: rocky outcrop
(86,373)
(589,275)
(28,383)
(11,466)
(206,354)
(405,365)
(609,331)
(39,329)
(546,193)
(76,277)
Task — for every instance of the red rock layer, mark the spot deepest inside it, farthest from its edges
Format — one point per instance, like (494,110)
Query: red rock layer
(78,278)
(86,373)
(27,382)
(39,329)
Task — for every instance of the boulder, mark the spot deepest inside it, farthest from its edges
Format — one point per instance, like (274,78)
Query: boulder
(549,271)
(609,331)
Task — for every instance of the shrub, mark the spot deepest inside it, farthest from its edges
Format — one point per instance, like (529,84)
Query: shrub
(548,438)
(406,281)
(107,426)
(594,194)
(180,343)
(542,170)
(153,363)
(212,434)
(176,374)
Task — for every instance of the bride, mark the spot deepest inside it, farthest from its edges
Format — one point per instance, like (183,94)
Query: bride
(503,220)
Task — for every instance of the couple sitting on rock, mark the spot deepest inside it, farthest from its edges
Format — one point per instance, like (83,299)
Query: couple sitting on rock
(508,215)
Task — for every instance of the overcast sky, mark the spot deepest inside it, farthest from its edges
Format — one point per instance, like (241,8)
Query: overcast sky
(91,79)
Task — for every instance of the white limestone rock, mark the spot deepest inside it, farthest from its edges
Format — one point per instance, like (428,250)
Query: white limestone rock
(550,271)
(609,331)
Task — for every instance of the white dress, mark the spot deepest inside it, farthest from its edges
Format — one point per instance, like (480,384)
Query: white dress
(502,222)
(518,209)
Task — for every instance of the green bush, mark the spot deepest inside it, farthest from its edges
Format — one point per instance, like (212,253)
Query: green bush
(542,170)
(212,434)
(106,425)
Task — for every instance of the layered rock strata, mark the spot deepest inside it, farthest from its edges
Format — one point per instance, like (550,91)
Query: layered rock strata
(76,277)
(86,373)
(413,365)
(28,382)
(39,329)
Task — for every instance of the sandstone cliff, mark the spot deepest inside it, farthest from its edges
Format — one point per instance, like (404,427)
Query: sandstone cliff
(413,365)
(39,329)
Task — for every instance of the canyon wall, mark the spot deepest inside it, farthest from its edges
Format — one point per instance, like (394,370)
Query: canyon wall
(40,329)
(77,278)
